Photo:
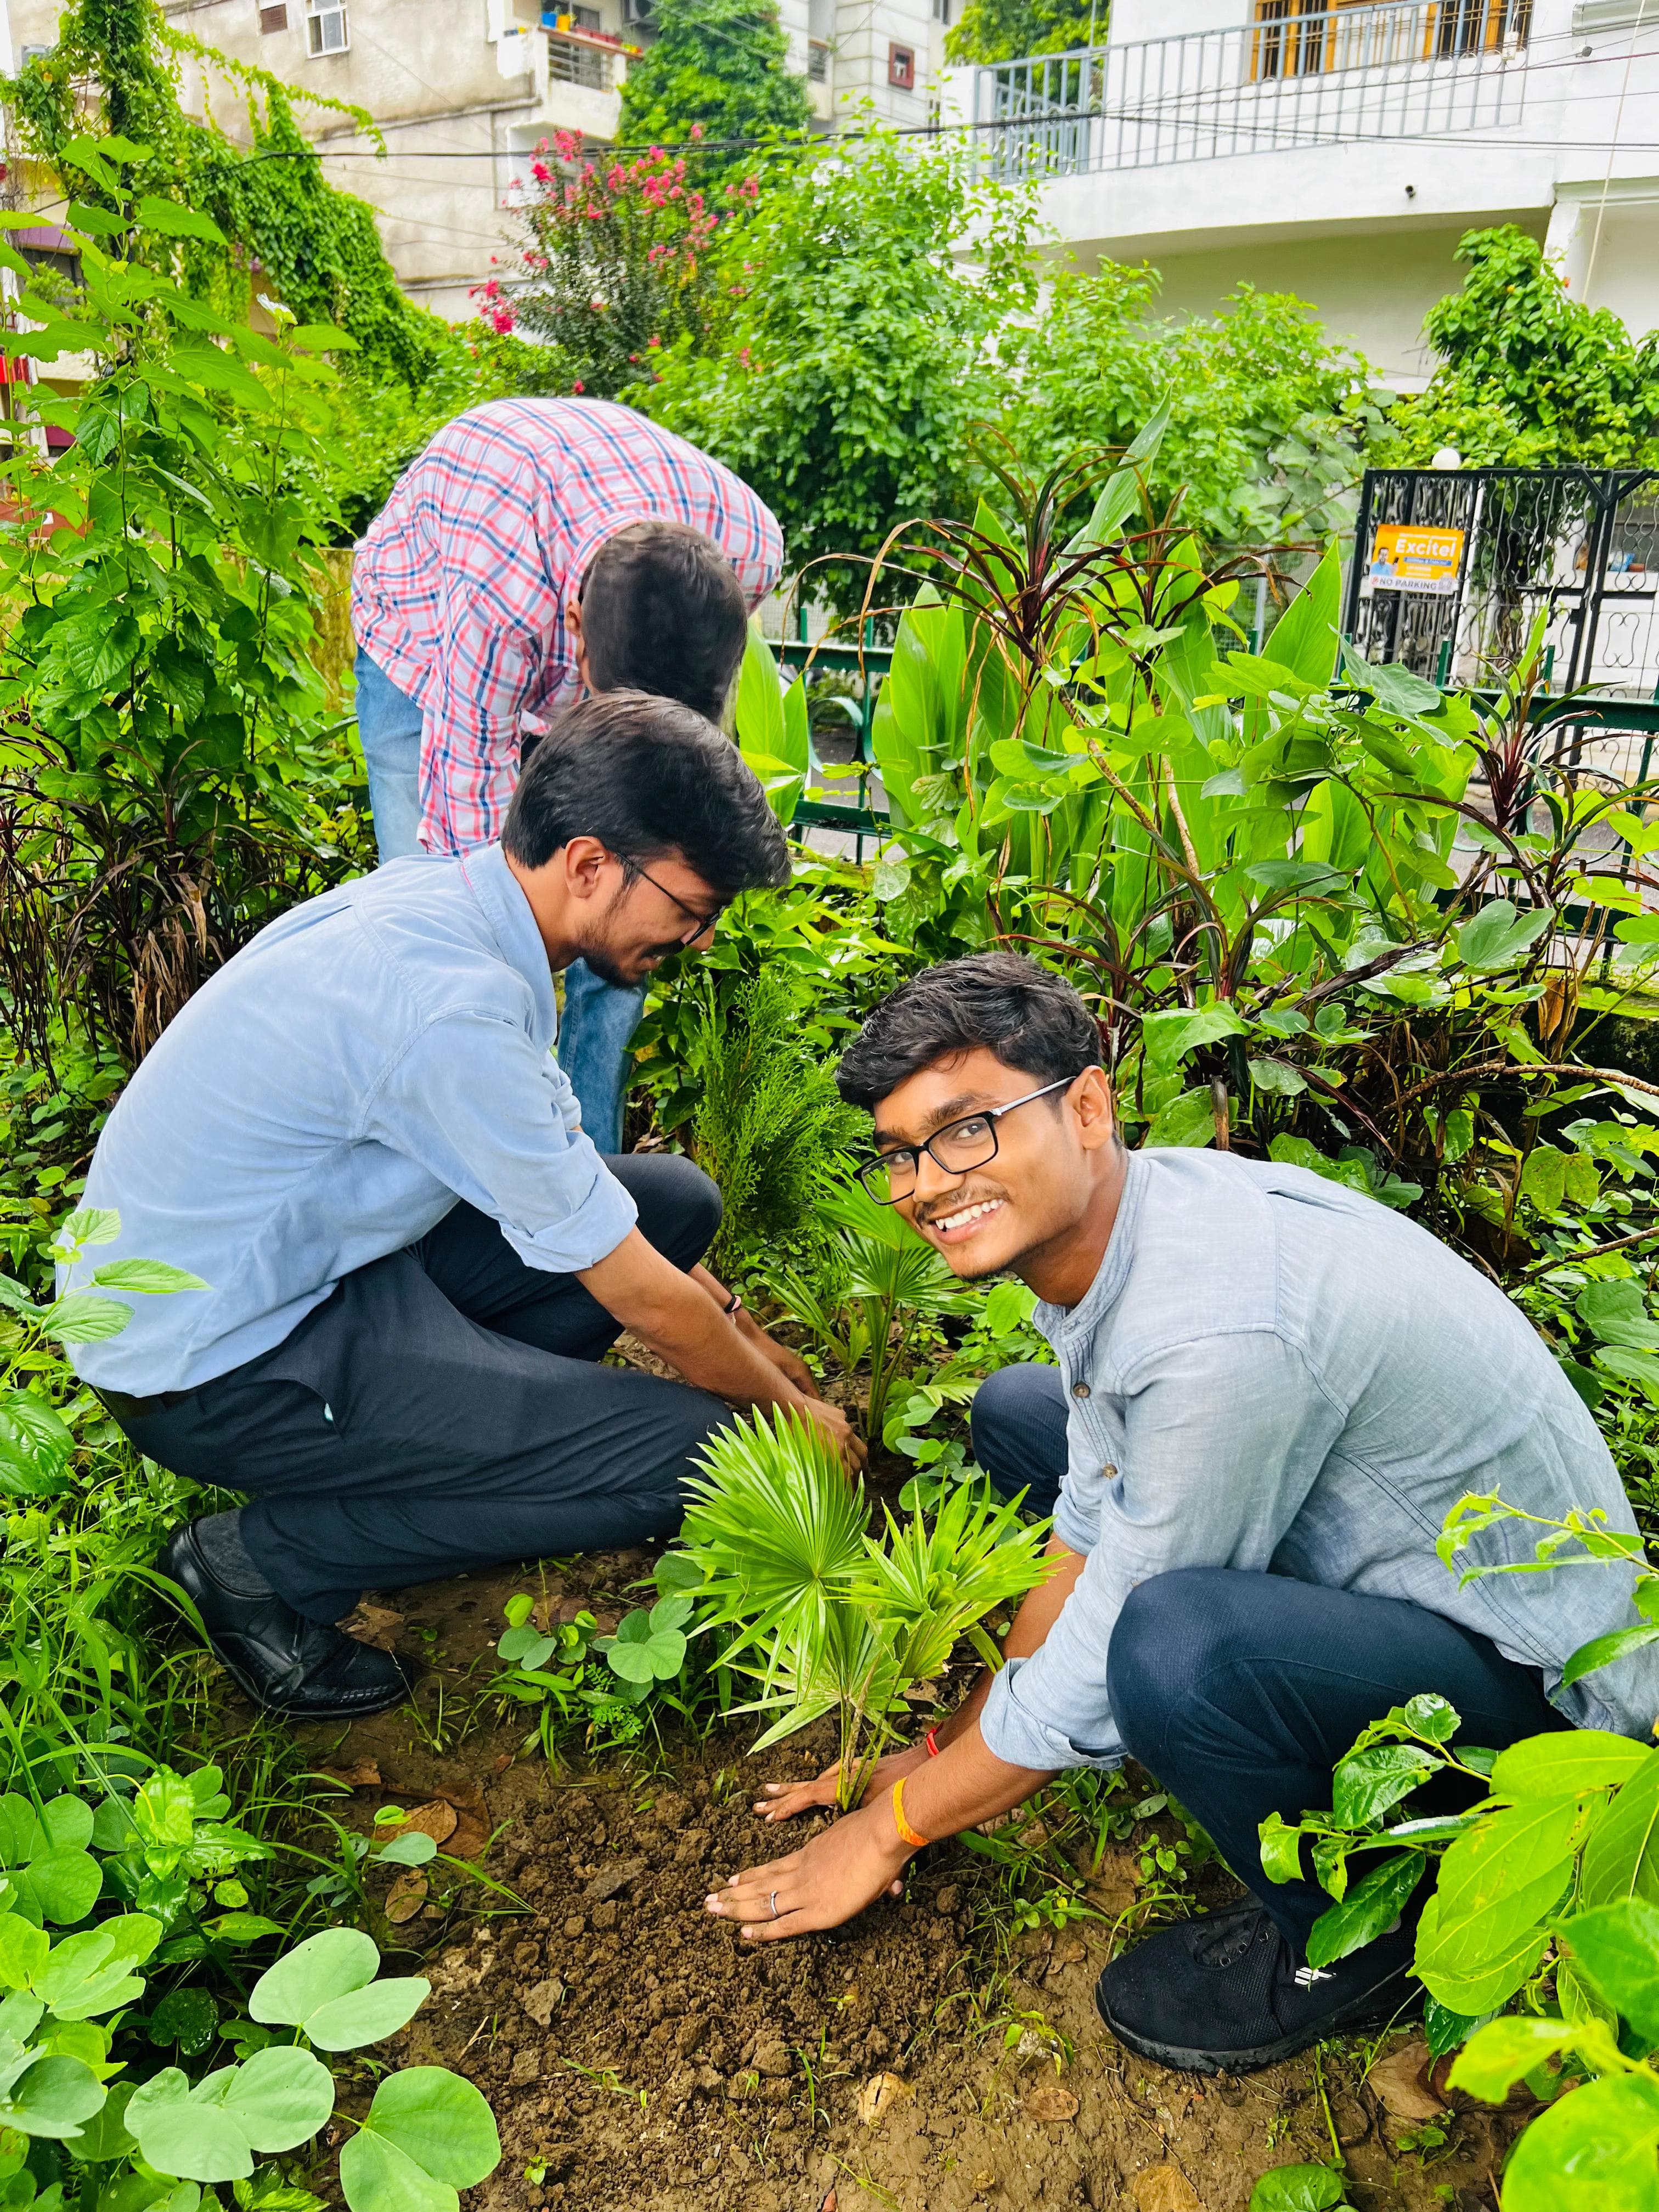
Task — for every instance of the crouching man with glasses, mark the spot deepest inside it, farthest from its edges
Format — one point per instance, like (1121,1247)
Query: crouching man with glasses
(1268,1392)
(356,1136)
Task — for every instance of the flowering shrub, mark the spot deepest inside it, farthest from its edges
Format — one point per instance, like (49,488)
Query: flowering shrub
(616,264)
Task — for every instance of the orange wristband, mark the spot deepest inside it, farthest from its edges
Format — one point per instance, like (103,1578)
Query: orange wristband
(907,1833)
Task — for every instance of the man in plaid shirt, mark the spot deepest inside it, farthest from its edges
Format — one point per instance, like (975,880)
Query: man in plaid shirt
(536,549)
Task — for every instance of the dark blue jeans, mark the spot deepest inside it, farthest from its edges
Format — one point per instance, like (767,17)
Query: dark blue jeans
(1241,1691)
(445,1409)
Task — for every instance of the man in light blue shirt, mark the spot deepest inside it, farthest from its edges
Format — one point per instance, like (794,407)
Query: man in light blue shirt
(356,1136)
(1269,1391)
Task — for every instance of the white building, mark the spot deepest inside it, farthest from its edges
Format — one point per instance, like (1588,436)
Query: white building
(1338,152)
(462,90)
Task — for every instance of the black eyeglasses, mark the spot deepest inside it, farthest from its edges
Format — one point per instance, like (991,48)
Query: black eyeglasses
(957,1147)
(702,923)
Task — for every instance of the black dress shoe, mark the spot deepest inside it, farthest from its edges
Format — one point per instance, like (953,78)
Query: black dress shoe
(1224,1995)
(286,1663)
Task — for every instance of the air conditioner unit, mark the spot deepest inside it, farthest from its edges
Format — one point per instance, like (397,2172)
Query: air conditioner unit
(638,15)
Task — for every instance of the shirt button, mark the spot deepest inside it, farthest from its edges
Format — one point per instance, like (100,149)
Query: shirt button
(1079,1390)
(1108,1473)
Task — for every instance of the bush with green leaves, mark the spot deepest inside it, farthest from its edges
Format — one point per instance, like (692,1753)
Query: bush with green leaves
(171,778)
(1546,1897)
(427,2135)
(824,1616)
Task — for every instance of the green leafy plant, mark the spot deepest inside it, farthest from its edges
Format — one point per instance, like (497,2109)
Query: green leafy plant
(170,778)
(826,1617)
(1543,1896)
(769,1126)
(867,1293)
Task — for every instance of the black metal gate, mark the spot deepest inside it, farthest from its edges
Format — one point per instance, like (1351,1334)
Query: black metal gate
(1452,565)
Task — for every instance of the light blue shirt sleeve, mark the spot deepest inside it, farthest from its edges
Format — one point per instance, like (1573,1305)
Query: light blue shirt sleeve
(1225,1436)
(476,1103)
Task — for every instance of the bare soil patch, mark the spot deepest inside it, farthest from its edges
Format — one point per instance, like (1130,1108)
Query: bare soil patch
(640,2059)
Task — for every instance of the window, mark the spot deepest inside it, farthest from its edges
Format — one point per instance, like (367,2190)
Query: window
(941,11)
(901,68)
(817,61)
(325,26)
(273,19)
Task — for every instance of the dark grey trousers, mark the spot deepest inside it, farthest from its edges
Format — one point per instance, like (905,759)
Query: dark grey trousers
(443,1410)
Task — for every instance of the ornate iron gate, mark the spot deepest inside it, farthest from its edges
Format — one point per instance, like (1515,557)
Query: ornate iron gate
(1451,567)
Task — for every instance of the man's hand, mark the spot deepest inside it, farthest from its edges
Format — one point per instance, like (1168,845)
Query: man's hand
(787,1362)
(784,1799)
(854,1452)
(837,1874)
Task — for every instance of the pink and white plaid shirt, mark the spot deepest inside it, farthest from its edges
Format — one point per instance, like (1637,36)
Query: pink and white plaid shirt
(459,588)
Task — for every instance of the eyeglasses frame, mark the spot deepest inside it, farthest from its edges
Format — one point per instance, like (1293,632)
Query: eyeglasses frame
(707,924)
(991,1114)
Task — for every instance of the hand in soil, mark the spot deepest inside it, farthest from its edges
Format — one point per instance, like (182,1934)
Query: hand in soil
(854,1452)
(783,1800)
(836,1876)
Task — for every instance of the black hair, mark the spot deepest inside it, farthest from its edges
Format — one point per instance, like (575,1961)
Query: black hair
(1030,1017)
(647,776)
(663,611)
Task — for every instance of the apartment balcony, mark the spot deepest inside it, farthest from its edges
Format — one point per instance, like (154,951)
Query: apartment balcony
(1284,82)
(582,91)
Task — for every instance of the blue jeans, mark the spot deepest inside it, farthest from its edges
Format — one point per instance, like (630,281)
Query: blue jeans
(1240,1691)
(600,1019)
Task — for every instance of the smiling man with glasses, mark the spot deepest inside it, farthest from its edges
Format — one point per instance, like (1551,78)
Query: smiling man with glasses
(1267,1391)
(357,1137)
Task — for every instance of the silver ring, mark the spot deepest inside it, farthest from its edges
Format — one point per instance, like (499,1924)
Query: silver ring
(775,1905)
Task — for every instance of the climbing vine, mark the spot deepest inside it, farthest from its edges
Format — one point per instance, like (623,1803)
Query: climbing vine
(284,225)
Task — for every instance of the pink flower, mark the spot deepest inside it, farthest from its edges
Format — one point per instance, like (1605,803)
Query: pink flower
(541,172)
(696,131)
(579,385)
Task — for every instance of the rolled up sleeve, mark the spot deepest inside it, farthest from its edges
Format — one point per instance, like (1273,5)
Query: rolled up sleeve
(479,1106)
(1224,1437)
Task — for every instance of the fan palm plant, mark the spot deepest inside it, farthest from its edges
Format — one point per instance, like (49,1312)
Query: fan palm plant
(827,1617)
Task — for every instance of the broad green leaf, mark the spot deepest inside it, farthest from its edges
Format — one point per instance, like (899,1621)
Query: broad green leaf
(1497,2056)
(1618,1313)
(367,2015)
(53,2098)
(280,2097)
(1617,1948)
(324,1967)
(375,2176)
(170,219)
(1590,2152)
(24,1952)
(1368,1783)
(438,2120)
(1606,1651)
(84,1317)
(154,1276)
(1281,1850)
(1567,1762)
(189,2137)
(93,1972)
(86,1226)
(1498,935)
(1444,2029)
(1474,1977)
(1298,2189)
(1168,1037)
(245,1927)
(65,1884)
(1304,639)
(1188,1119)
(1544,1178)
(1393,686)
(413,1849)
(1369,1907)
(35,1446)
(1621,1858)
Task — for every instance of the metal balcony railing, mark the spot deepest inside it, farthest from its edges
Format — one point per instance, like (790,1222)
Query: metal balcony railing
(1290,77)
(577,61)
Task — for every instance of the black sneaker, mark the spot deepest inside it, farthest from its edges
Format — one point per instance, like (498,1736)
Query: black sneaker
(286,1663)
(1224,1995)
